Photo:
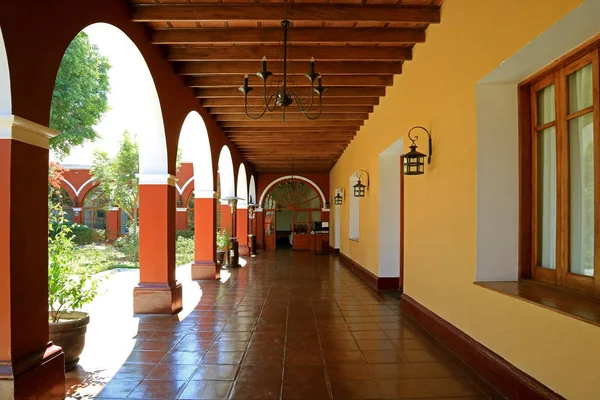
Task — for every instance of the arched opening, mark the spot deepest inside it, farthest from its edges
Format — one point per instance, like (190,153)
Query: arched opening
(227,182)
(252,190)
(242,186)
(94,207)
(5,97)
(292,209)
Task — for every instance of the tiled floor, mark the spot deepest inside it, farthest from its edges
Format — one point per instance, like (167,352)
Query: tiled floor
(289,325)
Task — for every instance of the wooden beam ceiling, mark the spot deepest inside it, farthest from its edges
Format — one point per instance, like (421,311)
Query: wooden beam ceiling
(358,49)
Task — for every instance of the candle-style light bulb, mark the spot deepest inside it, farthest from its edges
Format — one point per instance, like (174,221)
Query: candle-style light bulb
(264,63)
(312,65)
(246,80)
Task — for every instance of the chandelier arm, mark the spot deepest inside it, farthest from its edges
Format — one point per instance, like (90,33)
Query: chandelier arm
(305,112)
(246,109)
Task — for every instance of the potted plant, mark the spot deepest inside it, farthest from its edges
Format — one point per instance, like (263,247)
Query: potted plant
(68,290)
(222,240)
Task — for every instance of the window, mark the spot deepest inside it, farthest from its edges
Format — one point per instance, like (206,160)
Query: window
(563,170)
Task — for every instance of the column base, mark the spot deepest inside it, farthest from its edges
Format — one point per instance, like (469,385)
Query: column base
(205,270)
(38,376)
(156,298)
(244,250)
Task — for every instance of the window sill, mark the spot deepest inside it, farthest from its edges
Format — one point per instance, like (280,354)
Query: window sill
(353,239)
(583,308)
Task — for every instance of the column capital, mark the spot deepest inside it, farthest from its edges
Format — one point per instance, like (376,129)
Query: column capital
(113,209)
(21,129)
(157,179)
(181,209)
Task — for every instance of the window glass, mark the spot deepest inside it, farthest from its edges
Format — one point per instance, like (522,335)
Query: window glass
(546,105)
(581,89)
(546,182)
(581,188)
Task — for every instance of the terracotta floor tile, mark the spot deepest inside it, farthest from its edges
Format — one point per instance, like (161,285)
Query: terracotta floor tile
(342,372)
(251,390)
(215,372)
(404,389)
(206,390)
(355,389)
(163,389)
(305,390)
(289,325)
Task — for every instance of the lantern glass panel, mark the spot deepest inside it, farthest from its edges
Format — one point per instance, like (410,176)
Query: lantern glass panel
(338,199)
(359,190)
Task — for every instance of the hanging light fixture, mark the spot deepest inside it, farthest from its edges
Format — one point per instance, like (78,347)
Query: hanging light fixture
(283,96)
(359,188)
(414,161)
(339,196)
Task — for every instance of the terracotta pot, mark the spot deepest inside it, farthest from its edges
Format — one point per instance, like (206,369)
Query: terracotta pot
(69,334)
(220,257)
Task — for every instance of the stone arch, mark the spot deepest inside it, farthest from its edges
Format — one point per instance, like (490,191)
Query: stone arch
(137,88)
(5,97)
(285,178)
(226,173)
(242,185)
(194,134)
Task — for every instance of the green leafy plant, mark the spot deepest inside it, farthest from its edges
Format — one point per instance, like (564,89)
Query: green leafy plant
(67,290)
(129,244)
(184,250)
(222,239)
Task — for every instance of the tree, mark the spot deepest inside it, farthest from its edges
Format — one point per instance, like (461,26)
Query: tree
(118,178)
(80,95)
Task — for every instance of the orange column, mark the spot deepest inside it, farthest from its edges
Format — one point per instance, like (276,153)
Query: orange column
(241,222)
(260,229)
(113,223)
(205,228)
(181,221)
(30,365)
(226,221)
(158,291)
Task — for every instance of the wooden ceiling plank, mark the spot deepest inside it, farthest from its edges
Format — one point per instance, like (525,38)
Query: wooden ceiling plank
(301,81)
(327,101)
(293,117)
(325,68)
(294,110)
(297,12)
(240,36)
(356,91)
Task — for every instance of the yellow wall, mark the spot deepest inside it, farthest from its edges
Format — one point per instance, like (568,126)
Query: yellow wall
(437,90)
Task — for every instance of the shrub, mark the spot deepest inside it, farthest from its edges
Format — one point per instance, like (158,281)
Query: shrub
(67,290)
(129,245)
(222,239)
(184,250)
(188,234)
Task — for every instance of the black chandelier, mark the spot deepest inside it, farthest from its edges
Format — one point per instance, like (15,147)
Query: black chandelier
(282,96)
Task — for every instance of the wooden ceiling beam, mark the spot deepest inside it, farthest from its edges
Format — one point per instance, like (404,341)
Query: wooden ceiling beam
(294,110)
(324,125)
(211,36)
(353,91)
(258,132)
(325,68)
(294,117)
(327,101)
(296,12)
(301,81)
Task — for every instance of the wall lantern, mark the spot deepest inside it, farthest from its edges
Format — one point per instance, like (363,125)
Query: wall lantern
(327,204)
(414,163)
(179,201)
(359,188)
(339,196)
(251,208)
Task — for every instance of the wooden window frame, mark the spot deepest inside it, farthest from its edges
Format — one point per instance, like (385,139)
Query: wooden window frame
(557,73)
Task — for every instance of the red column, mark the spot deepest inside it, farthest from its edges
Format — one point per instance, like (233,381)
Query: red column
(77,215)
(241,222)
(226,221)
(181,221)
(260,230)
(30,365)
(158,291)
(113,223)
(205,228)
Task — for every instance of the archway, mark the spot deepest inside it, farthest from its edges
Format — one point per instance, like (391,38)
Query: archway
(252,190)
(194,142)
(292,211)
(227,188)
(242,211)
(5,97)
(135,107)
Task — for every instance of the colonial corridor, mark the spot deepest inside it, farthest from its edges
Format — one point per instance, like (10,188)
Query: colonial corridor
(288,325)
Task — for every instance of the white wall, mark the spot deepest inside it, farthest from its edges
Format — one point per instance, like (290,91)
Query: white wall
(5,101)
